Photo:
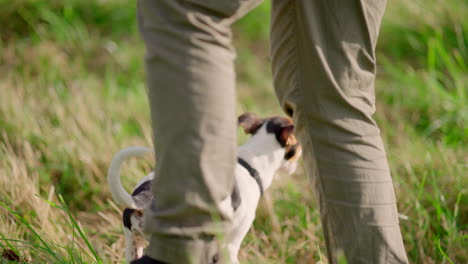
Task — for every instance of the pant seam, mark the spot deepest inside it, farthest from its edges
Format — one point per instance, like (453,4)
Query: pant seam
(354,181)
(299,86)
(348,204)
(352,166)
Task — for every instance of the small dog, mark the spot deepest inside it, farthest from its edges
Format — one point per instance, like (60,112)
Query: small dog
(271,148)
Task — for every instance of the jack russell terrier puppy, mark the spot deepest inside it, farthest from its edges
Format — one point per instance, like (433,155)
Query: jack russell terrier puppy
(271,148)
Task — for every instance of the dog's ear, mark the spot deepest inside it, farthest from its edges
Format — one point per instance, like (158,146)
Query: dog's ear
(250,122)
(285,136)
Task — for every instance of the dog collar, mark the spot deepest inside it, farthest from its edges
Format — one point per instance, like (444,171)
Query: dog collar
(253,172)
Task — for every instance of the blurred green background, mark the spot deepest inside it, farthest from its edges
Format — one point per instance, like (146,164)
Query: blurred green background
(72,93)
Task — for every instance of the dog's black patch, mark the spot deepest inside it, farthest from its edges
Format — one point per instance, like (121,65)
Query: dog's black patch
(235,197)
(291,152)
(143,195)
(145,186)
(127,214)
(11,255)
(276,125)
(256,128)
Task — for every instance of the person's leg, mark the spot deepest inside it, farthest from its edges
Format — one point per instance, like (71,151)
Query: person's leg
(324,68)
(190,77)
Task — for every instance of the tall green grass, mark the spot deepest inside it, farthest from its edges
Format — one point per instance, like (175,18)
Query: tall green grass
(77,250)
(72,94)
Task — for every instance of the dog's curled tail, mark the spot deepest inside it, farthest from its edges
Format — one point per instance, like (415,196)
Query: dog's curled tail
(120,195)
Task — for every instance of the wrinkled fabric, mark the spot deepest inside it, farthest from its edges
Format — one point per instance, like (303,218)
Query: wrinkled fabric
(324,67)
(190,78)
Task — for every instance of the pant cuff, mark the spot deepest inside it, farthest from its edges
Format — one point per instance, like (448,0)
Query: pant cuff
(180,250)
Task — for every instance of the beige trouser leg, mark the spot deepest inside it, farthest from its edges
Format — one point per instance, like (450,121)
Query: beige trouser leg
(191,81)
(324,68)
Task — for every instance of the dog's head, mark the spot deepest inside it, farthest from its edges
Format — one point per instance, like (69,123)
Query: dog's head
(282,129)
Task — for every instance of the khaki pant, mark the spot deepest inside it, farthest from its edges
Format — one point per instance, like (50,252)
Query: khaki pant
(324,68)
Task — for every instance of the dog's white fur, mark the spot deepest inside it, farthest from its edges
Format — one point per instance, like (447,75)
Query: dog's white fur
(120,195)
(262,151)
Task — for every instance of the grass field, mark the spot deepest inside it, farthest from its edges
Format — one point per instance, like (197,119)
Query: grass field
(72,94)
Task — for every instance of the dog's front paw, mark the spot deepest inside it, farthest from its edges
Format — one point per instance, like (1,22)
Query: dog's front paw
(147,260)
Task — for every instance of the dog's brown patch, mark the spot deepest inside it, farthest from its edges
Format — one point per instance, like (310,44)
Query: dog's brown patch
(138,213)
(250,122)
